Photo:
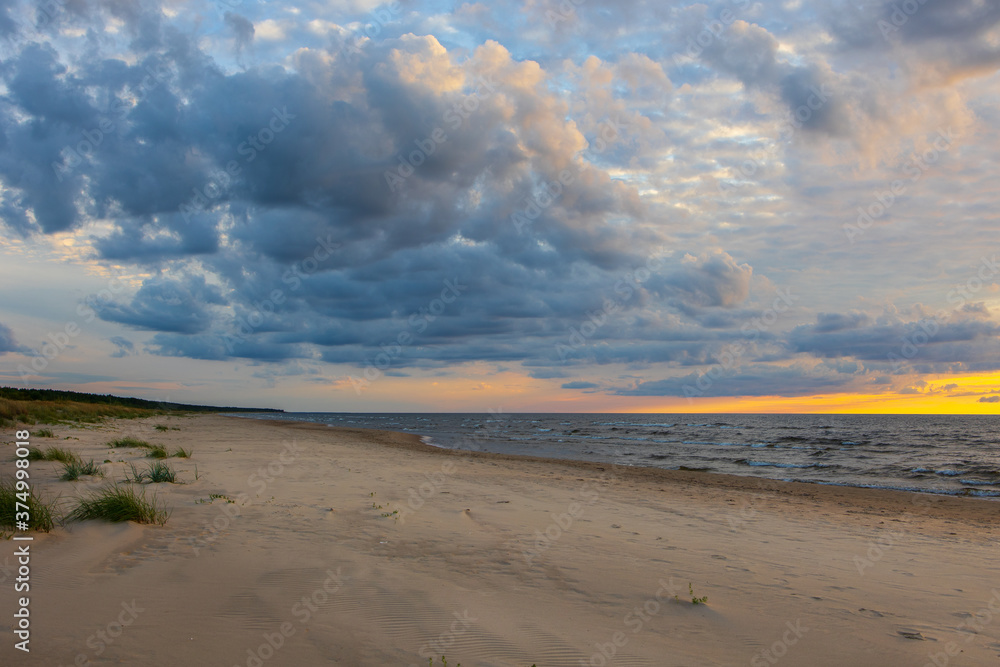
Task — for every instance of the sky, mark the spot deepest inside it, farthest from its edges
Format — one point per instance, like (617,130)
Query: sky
(572,206)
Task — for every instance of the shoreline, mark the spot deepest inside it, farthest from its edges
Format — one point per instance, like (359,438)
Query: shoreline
(294,543)
(921,503)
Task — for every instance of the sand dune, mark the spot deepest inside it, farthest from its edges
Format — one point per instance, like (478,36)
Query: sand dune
(495,560)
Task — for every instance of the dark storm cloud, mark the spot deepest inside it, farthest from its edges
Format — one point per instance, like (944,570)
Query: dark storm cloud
(761,380)
(166,304)
(930,344)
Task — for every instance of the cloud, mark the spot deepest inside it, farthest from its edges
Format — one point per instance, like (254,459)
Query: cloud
(289,199)
(580,385)
(7,341)
(169,305)
(124,347)
(963,342)
(989,399)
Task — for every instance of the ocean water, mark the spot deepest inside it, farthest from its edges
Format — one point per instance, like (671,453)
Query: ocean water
(956,455)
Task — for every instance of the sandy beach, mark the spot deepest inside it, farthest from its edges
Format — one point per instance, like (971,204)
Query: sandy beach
(351,547)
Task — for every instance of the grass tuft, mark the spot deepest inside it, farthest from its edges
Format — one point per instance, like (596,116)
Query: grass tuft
(157,472)
(161,428)
(128,441)
(40,513)
(55,454)
(157,452)
(119,503)
(44,433)
(35,454)
(74,469)
(182,453)
(161,472)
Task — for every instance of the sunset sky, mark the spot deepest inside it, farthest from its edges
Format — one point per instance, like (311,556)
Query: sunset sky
(543,206)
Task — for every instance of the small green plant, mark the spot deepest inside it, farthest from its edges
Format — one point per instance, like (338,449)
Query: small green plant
(45,433)
(220,496)
(696,600)
(128,441)
(161,428)
(134,475)
(161,472)
(74,469)
(182,453)
(157,472)
(35,454)
(61,455)
(156,452)
(119,503)
(40,513)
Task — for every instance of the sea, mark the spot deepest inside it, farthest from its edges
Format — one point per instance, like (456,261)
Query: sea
(944,454)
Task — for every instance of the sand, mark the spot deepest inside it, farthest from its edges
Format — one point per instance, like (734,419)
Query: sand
(492,560)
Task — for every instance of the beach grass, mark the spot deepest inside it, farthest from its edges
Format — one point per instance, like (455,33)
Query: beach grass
(182,453)
(152,450)
(52,454)
(44,433)
(41,514)
(128,441)
(74,469)
(119,503)
(156,452)
(58,412)
(157,472)
(161,472)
